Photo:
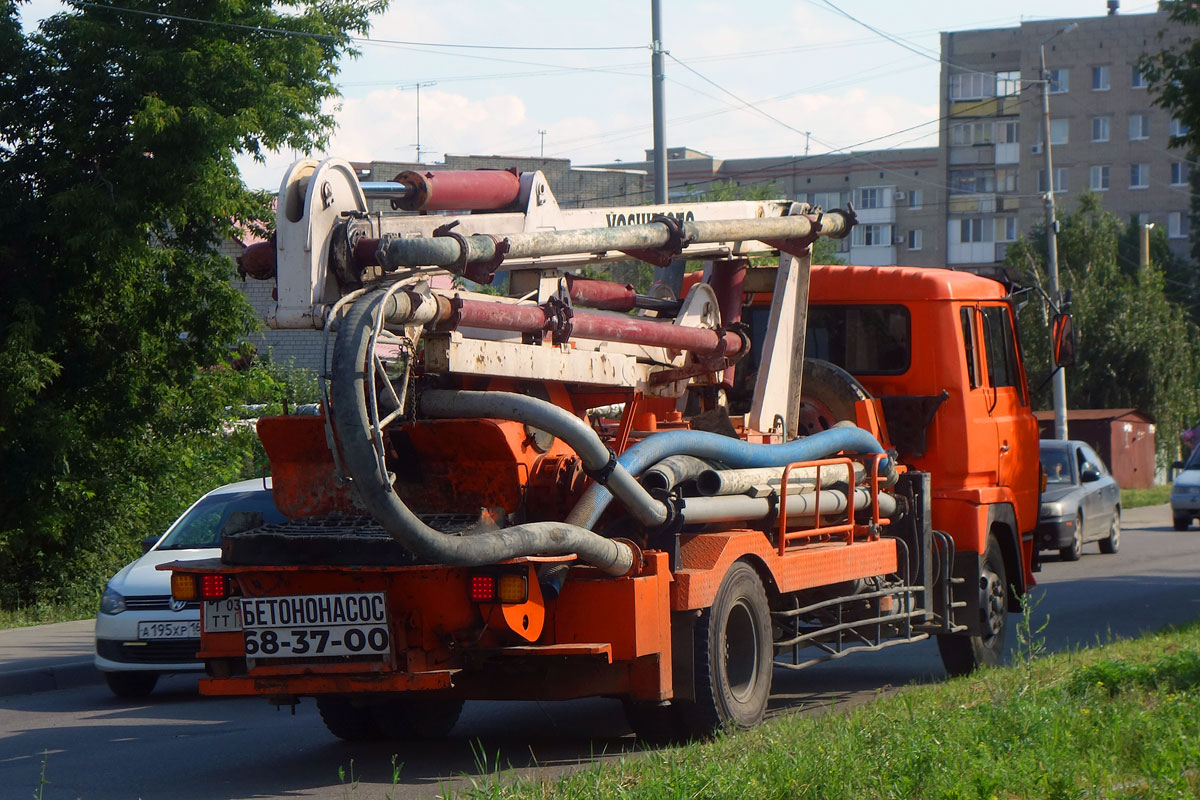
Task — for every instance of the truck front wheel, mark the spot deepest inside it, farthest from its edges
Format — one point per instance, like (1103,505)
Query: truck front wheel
(733,655)
(964,653)
(345,720)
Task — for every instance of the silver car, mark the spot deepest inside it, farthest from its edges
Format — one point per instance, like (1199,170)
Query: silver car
(1185,492)
(141,632)
(1081,502)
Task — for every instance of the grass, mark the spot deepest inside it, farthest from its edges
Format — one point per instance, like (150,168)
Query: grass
(45,613)
(1120,721)
(1154,496)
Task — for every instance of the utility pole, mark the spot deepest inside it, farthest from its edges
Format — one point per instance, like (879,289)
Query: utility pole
(807,134)
(542,133)
(657,78)
(1059,379)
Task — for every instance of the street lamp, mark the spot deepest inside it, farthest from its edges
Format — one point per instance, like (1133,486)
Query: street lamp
(1059,381)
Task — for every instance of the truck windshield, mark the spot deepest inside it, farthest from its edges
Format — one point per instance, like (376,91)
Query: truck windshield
(203,525)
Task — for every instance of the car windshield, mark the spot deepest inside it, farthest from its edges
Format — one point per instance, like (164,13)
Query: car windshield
(1056,463)
(1193,461)
(203,525)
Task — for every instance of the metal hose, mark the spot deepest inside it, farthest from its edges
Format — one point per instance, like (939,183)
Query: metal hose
(352,368)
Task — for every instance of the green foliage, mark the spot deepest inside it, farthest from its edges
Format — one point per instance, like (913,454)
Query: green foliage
(1173,76)
(118,132)
(1136,348)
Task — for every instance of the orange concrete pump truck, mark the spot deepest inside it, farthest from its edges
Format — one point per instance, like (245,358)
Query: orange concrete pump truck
(574,489)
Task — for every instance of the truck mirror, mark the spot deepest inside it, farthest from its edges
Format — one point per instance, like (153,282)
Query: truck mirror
(1064,340)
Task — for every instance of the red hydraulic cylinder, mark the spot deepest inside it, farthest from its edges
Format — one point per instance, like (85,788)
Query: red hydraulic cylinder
(605,295)
(481,189)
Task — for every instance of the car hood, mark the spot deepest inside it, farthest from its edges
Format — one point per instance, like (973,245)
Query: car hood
(1188,479)
(1053,494)
(142,578)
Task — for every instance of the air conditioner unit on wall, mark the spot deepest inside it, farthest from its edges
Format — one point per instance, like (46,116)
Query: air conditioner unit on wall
(1037,147)
(898,238)
(900,196)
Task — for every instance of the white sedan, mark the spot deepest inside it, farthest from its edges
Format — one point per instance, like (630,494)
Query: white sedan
(141,632)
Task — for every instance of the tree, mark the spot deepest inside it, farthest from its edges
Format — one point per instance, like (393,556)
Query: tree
(1136,348)
(118,133)
(1173,75)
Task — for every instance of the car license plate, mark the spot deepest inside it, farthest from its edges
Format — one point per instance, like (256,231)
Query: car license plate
(169,630)
(316,625)
(223,616)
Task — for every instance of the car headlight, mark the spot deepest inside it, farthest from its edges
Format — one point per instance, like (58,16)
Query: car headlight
(1052,510)
(111,602)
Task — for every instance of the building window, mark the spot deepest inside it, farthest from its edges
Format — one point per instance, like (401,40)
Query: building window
(1006,229)
(873,197)
(1137,80)
(1177,129)
(1059,81)
(969,133)
(973,230)
(828,200)
(1099,79)
(1177,225)
(1060,131)
(972,86)
(972,181)
(1060,179)
(1100,129)
(914,240)
(871,235)
(916,200)
(1139,126)
(1139,176)
(1006,180)
(1008,83)
(1179,174)
(1006,132)
(1098,178)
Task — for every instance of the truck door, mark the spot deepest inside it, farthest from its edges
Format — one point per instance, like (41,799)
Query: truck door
(1016,429)
(981,444)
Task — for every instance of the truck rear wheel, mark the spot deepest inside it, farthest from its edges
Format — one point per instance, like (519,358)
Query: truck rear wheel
(964,653)
(345,720)
(416,717)
(827,396)
(732,658)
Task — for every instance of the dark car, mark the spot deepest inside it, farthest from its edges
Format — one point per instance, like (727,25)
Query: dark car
(1081,502)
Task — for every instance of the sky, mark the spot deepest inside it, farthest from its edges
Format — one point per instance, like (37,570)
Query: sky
(743,79)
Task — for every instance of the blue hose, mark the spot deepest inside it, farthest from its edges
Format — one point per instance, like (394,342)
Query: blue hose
(734,453)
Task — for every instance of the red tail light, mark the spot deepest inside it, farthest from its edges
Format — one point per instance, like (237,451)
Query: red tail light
(483,588)
(214,587)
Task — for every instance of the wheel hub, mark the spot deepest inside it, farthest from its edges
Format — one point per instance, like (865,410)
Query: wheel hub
(991,602)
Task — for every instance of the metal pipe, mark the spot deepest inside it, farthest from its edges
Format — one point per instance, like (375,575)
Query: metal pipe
(525,318)
(559,422)
(713,482)
(352,369)
(446,251)
(697,510)
(672,471)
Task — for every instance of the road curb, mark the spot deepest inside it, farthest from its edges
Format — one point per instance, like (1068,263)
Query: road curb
(49,678)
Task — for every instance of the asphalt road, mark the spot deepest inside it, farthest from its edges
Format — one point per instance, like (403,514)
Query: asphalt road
(181,746)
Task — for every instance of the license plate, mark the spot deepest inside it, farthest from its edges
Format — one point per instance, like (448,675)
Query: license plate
(223,616)
(316,625)
(169,630)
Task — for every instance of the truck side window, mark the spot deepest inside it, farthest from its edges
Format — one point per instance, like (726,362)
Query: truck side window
(1000,347)
(863,340)
(968,330)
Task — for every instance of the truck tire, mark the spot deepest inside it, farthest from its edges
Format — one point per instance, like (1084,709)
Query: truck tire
(827,396)
(733,657)
(1112,543)
(964,653)
(346,720)
(1182,523)
(1074,550)
(415,717)
(131,684)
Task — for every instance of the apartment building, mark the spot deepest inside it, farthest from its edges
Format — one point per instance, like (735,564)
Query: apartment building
(899,195)
(1106,135)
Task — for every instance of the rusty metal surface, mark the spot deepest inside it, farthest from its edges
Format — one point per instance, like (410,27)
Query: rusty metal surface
(304,482)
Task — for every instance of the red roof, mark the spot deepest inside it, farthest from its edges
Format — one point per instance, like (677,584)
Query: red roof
(1096,414)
